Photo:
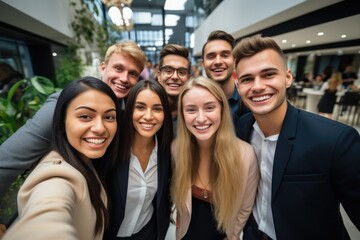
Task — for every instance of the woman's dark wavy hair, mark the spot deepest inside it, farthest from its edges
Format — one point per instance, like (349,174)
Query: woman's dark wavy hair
(165,133)
(61,144)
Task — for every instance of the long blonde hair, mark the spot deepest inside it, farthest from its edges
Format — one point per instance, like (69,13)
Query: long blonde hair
(226,166)
(335,81)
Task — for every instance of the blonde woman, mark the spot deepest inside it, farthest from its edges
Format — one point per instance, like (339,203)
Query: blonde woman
(215,173)
(328,100)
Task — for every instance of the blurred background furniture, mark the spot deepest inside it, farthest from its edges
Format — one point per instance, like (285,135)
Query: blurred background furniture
(351,101)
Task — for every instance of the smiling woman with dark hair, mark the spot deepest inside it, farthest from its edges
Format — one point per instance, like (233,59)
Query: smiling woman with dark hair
(139,185)
(64,196)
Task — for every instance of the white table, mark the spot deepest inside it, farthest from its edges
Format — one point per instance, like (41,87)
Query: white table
(312,99)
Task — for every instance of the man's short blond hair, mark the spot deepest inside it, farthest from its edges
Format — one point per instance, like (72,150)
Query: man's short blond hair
(129,48)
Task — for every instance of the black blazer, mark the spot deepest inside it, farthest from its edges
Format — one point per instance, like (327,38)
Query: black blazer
(316,167)
(117,191)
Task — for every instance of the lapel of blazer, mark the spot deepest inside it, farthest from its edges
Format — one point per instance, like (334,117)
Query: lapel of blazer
(163,173)
(121,186)
(284,147)
(161,177)
(244,127)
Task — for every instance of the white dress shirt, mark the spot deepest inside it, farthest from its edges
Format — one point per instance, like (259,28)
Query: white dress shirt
(142,188)
(265,150)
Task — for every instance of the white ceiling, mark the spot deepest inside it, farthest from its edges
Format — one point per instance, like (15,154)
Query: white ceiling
(332,33)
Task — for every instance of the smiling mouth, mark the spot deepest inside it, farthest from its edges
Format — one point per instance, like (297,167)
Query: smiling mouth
(218,70)
(95,140)
(173,85)
(202,127)
(121,87)
(260,98)
(147,125)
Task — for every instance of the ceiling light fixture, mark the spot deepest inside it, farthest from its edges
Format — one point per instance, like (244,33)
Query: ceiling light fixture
(175,5)
(120,13)
(284,41)
(320,33)
(343,36)
(308,41)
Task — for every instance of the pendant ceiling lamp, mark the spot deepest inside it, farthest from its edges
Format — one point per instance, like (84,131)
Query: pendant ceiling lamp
(120,13)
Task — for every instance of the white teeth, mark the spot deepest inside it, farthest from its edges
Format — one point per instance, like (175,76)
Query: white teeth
(120,86)
(174,85)
(259,99)
(95,140)
(145,125)
(202,127)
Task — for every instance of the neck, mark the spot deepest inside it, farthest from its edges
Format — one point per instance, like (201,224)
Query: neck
(142,149)
(270,124)
(142,144)
(204,165)
(228,87)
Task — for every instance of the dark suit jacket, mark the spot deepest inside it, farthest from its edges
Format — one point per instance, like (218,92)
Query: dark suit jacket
(316,167)
(117,191)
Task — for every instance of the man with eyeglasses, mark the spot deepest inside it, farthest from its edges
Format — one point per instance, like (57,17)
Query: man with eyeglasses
(218,63)
(174,71)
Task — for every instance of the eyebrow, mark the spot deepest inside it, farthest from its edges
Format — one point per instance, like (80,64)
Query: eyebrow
(262,71)
(216,52)
(142,103)
(93,110)
(206,103)
(174,67)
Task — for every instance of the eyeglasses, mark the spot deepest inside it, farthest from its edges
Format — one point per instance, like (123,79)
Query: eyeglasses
(169,71)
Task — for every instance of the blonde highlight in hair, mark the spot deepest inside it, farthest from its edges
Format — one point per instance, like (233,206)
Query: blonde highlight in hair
(226,165)
(129,48)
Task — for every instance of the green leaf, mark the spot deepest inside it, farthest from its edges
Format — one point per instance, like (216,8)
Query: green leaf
(13,89)
(42,84)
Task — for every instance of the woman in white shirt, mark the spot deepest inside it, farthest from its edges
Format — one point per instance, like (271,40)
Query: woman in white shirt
(139,184)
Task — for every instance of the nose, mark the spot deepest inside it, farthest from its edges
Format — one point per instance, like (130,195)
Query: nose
(148,115)
(201,116)
(175,75)
(98,126)
(258,84)
(218,59)
(124,76)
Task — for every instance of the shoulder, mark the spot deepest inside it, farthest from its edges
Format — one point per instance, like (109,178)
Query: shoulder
(50,102)
(54,96)
(53,162)
(243,146)
(322,125)
(320,133)
(54,171)
(247,153)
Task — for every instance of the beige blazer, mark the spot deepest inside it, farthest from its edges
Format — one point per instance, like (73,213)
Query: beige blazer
(54,203)
(245,205)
